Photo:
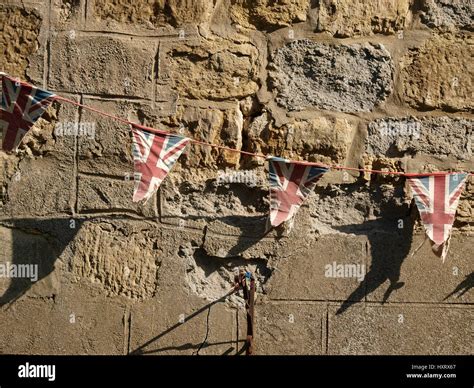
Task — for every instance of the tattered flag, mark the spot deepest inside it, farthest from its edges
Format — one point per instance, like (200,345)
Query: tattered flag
(21,106)
(437,198)
(290,184)
(154,155)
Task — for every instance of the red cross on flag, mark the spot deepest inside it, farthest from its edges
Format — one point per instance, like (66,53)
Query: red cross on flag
(290,184)
(21,106)
(437,198)
(154,156)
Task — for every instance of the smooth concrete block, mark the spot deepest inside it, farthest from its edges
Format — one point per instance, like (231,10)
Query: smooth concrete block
(401,329)
(423,277)
(330,268)
(290,328)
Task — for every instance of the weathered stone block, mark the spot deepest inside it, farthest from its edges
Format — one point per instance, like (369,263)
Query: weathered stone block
(268,15)
(289,328)
(40,142)
(214,70)
(123,262)
(101,65)
(244,238)
(400,330)
(46,140)
(20,29)
(96,193)
(326,136)
(107,147)
(9,164)
(42,155)
(215,126)
(353,209)
(465,212)
(187,198)
(347,78)
(343,19)
(151,13)
(66,15)
(448,14)
(325,139)
(52,183)
(437,136)
(438,75)
(189,11)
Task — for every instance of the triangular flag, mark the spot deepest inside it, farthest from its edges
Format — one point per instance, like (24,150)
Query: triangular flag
(437,198)
(154,156)
(21,106)
(290,184)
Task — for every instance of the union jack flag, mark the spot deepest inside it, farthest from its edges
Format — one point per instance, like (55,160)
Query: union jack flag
(290,185)
(437,198)
(154,156)
(21,106)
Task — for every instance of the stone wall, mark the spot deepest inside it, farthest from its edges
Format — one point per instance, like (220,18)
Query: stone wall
(373,84)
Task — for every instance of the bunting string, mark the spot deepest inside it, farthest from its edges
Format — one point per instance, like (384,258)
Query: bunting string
(256,155)
(155,152)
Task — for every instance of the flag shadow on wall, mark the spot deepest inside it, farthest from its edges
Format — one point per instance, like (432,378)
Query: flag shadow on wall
(31,247)
(466,284)
(30,250)
(389,244)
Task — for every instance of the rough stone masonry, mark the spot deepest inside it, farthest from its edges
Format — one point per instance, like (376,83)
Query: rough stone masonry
(381,84)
